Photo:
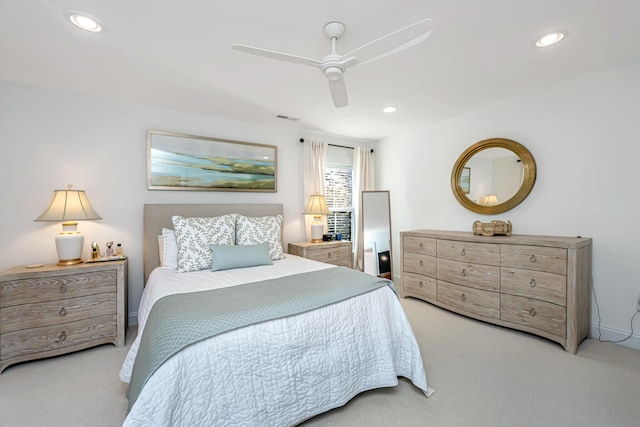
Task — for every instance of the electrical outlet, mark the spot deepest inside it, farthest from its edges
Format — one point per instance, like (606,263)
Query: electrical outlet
(638,303)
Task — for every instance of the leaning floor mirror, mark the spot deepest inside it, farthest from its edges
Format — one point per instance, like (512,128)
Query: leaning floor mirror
(376,233)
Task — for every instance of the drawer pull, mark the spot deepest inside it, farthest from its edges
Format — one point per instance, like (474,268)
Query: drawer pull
(329,255)
(532,283)
(62,312)
(63,288)
(421,263)
(421,284)
(532,311)
(463,297)
(420,246)
(532,258)
(463,252)
(62,336)
(463,272)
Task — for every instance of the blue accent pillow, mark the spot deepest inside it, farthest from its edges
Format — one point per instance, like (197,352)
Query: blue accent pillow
(226,257)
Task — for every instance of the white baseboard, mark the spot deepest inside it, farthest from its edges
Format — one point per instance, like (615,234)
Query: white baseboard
(614,335)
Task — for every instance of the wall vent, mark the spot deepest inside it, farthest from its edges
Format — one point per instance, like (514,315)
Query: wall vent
(294,119)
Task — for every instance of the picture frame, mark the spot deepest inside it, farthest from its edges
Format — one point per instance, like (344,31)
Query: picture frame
(178,161)
(465,180)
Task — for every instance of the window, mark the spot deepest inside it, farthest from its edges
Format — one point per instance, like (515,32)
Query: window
(338,194)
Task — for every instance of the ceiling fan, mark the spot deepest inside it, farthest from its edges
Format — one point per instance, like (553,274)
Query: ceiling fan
(334,65)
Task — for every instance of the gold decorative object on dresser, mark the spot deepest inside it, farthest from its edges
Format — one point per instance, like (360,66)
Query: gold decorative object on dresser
(336,252)
(52,310)
(536,284)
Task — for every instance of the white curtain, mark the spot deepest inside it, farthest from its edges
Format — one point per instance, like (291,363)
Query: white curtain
(315,160)
(362,181)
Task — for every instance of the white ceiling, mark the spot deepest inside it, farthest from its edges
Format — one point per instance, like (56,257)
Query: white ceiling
(177,54)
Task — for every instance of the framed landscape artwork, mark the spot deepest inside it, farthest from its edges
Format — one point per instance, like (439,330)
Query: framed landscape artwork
(186,162)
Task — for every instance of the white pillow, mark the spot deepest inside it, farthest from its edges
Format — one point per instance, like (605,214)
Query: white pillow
(168,249)
(256,230)
(195,235)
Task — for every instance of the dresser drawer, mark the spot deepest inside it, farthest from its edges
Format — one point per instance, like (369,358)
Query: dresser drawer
(46,338)
(478,253)
(537,314)
(419,285)
(478,276)
(552,260)
(419,245)
(548,287)
(27,316)
(420,264)
(51,288)
(462,298)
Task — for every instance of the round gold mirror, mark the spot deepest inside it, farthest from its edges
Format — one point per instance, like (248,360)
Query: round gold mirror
(493,176)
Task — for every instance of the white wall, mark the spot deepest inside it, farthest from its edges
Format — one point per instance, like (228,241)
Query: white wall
(52,138)
(584,135)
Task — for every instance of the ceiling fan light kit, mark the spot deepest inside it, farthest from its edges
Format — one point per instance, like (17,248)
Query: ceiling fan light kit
(334,65)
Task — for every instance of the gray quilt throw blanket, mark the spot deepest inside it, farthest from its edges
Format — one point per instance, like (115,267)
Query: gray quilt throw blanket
(177,321)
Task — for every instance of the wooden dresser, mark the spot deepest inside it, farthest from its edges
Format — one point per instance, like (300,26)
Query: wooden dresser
(52,310)
(335,252)
(537,284)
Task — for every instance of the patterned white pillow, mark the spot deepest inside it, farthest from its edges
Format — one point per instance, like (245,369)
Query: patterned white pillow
(195,235)
(256,230)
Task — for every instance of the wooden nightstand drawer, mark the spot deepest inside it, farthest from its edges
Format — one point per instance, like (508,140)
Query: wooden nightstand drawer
(36,315)
(50,338)
(58,287)
(330,255)
(336,253)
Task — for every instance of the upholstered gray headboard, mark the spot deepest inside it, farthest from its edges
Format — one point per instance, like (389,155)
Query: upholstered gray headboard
(157,216)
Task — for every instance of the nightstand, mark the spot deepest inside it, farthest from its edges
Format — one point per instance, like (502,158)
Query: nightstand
(53,310)
(335,252)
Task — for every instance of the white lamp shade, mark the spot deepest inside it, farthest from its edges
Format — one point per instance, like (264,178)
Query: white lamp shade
(69,206)
(317,205)
(490,200)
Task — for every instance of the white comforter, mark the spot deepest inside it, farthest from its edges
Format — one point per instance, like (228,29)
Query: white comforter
(279,372)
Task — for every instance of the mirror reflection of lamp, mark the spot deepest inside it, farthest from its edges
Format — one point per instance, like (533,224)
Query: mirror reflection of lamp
(69,206)
(317,206)
(489,200)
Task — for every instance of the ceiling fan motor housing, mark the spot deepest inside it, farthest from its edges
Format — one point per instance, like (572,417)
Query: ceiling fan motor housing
(333,73)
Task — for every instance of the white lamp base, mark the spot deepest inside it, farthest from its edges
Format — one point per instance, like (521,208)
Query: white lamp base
(316,232)
(69,245)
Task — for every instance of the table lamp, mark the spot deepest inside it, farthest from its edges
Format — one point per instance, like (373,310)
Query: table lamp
(317,207)
(69,206)
(490,200)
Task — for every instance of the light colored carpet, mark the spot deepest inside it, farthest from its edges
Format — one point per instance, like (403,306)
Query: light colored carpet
(483,376)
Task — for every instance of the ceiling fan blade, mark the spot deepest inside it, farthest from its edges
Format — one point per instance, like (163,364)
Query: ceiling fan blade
(278,55)
(394,42)
(338,90)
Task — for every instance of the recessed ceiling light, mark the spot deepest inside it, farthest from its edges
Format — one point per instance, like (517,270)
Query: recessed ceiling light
(551,38)
(390,109)
(84,21)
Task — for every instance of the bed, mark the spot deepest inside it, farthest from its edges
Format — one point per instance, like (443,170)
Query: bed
(276,370)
